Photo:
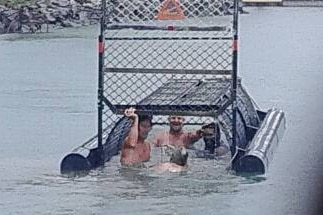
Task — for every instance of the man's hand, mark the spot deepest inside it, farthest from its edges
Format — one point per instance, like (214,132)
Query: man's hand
(130,112)
(200,132)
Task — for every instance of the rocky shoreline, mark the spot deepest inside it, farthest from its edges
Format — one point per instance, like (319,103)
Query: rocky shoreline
(44,13)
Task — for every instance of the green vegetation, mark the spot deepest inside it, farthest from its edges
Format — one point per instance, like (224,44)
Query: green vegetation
(17,2)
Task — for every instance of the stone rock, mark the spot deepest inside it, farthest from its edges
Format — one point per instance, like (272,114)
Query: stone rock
(60,3)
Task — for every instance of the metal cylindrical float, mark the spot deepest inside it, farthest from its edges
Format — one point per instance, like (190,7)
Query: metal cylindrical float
(88,156)
(260,151)
(81,159)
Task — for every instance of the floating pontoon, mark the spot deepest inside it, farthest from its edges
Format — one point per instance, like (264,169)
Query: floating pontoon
(175,57)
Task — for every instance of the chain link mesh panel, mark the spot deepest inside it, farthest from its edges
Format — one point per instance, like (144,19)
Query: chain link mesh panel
(161,65)
(147,11)
(210,55)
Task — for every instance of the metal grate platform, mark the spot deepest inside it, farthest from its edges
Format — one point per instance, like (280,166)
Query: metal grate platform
(194,97)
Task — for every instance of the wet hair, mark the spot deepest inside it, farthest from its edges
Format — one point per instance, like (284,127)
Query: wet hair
(211,125)
(179,157)
(145,117)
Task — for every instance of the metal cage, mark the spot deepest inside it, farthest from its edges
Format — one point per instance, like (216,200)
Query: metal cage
(166,57)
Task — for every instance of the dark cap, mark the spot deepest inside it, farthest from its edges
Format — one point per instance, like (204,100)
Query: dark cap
(179,157)
(145,117)
(210,125)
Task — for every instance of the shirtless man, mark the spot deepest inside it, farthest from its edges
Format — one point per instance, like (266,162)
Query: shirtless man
(176,136)
(211,137)
(177,163)
(135,150)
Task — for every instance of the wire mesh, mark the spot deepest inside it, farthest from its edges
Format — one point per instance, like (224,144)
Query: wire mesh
(148,11)
(171,57)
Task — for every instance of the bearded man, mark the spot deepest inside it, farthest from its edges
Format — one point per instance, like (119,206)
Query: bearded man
(176,136)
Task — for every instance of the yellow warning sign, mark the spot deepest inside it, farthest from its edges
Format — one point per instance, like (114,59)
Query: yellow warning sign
(171,10)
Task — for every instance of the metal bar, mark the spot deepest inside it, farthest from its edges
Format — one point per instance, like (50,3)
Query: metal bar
(184,110)
(168,38)
(223,108)
(109,104)
(101,82)
(186,123)
(234,77)
(170,112)
(166,71)
(166,28)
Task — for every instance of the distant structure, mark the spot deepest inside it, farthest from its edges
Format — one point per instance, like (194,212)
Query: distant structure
(285,3)
(262,2)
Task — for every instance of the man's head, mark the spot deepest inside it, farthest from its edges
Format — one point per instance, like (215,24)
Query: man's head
(145,124)
(211,136)
(176,123)
(179,157)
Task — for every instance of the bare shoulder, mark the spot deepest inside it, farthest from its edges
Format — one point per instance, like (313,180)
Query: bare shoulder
(158,138)
(160,134)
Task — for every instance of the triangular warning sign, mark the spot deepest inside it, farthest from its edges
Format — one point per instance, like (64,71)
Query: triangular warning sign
(170,10)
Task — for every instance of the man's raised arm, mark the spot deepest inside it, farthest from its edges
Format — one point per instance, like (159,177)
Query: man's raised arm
(132,138)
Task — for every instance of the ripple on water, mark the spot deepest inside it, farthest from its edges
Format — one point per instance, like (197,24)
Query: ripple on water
(204,177)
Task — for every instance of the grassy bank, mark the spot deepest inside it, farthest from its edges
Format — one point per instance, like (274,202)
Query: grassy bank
(17,2)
